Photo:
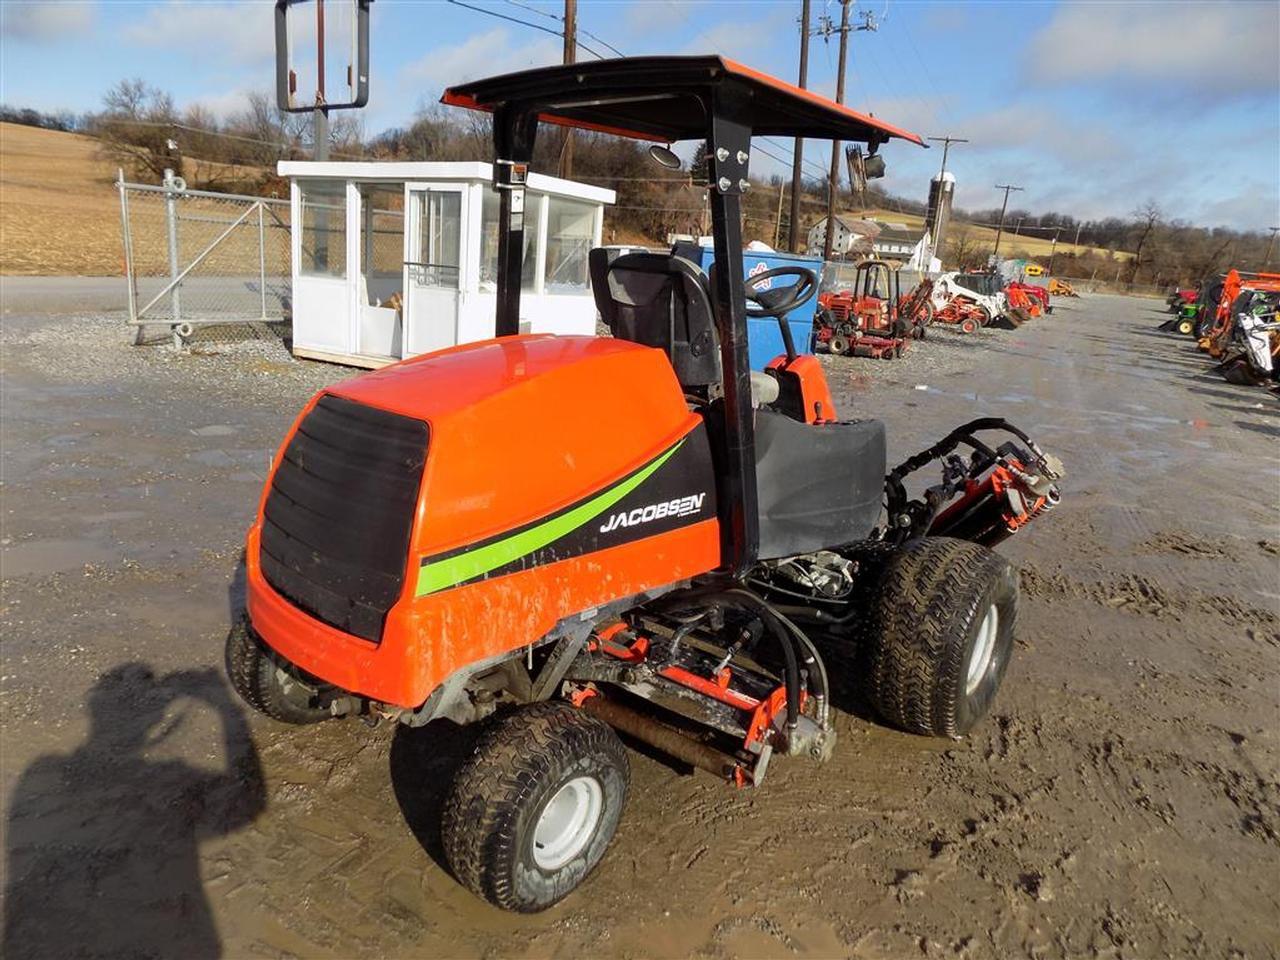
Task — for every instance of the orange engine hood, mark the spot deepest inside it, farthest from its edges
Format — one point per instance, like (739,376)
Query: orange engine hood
(522,426)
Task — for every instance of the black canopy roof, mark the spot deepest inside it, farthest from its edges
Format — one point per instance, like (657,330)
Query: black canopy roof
(662,98)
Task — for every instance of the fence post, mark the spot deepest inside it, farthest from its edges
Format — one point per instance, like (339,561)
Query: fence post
(262,261)
(127,237)
(171,216)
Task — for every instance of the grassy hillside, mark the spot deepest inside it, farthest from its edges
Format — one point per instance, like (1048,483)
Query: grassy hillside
(58,211)
(1038,245)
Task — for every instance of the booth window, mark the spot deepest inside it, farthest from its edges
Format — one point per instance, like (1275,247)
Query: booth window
(441,240)
(324,228)
(489,240)
(382,229)
(570,236)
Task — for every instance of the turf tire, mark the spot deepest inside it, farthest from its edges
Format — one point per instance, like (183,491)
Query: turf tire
(267,686)
(518,766)
(931,601)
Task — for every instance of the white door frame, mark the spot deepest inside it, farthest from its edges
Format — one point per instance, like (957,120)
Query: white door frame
(415,193)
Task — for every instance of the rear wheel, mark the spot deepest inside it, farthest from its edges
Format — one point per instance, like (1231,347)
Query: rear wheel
(269,686)
(941,635)
(534,809)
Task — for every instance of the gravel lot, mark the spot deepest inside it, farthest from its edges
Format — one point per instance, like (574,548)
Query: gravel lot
(1123,800)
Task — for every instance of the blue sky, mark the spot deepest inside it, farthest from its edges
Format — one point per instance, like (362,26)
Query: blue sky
(1093,107)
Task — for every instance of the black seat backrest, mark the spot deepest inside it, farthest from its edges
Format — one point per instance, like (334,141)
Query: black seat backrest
(662,301)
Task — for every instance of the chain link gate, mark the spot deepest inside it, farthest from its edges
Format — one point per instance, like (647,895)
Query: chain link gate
(197,261)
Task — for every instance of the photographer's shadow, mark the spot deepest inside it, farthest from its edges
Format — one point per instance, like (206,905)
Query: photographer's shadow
(103,856)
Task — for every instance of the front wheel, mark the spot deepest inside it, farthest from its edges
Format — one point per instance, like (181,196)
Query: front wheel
(1185,327)
(533,810)
(270,686)
(941,635)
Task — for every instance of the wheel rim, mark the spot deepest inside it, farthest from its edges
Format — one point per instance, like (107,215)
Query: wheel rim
(295,691)
(567,823)
(984,648)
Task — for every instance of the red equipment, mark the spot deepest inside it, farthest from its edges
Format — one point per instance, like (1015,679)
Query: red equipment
(1038,296)
(962,312)
(873,319)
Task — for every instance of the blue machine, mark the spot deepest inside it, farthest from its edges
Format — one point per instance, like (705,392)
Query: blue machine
(764,338)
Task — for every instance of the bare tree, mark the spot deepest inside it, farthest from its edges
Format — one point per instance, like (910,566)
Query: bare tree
(137,129)
(964,251)
(1147,217)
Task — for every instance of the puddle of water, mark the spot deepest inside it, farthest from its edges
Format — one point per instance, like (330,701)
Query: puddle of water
(39,558)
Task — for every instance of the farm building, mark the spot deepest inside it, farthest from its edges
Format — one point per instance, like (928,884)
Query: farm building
(855,238)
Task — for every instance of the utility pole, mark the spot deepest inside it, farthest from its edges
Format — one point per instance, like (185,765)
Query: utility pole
(946,148)
(1053,249)
(320,125)
(777,222)
(1079,227)
(1266,261)
(570,56)
(797,187)
(868,23)
(939,223)
(1006,187)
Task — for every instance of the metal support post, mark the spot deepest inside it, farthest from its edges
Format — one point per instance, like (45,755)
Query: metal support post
(262,260)
(171,218)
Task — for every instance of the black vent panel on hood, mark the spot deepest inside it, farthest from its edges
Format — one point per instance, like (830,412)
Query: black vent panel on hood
(336,527)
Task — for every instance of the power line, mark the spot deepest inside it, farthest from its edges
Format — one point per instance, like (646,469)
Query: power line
(524,23)
(946,142)
(205,132)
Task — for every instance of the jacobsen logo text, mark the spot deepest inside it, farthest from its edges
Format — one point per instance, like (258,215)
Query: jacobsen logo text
(681,507)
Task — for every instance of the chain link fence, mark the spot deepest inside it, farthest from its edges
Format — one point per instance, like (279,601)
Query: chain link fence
(204,266)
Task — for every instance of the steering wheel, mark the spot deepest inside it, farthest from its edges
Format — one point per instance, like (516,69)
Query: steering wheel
(766,300)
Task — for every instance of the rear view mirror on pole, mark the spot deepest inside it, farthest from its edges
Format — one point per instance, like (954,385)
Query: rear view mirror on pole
(322,54)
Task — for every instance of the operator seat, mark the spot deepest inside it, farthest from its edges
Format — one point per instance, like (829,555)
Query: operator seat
(817,486)
(663,300)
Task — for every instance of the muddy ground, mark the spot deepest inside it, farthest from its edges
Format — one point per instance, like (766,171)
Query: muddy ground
(1123,800)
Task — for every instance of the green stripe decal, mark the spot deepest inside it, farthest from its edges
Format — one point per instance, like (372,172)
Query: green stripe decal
(476,563)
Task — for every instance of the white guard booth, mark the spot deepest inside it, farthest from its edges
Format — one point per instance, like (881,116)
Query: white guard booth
(395,259)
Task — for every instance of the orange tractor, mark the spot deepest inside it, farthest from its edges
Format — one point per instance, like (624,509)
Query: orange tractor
(563,537)
(872,318)
(1218,334)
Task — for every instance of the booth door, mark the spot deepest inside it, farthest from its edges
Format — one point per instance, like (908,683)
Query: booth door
(434,244)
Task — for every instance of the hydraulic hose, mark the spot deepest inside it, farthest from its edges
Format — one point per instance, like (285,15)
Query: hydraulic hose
(823,694)
(745,599)
(775,626)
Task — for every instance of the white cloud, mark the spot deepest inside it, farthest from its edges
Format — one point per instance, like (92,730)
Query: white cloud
(482,55)
(1211,49)
(45,20)
(740,39)
(1021,126)
(224,105)
(243,33)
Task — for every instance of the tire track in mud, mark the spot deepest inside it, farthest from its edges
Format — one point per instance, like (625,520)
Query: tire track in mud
(1145,597)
